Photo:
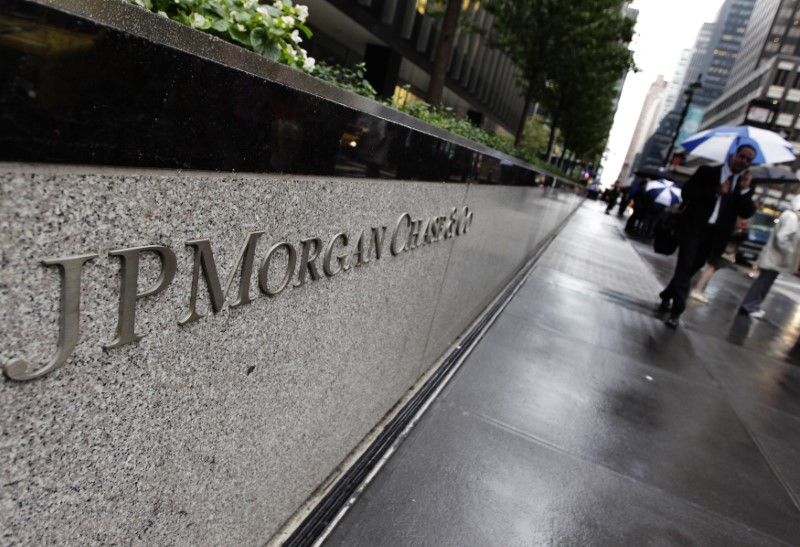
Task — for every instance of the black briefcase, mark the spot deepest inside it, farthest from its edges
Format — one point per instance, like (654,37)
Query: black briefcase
(665,233)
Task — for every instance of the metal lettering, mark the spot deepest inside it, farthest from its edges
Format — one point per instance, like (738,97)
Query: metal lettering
(394,248)
(467,220)
(307,262)
(203,258)
(246,257)
(434,227)
(263,273)
(413,235)
(428,238)
(129,285)
(70,269)
(340,259)
(378,235)
(359,252)
(440,225)
(451,226)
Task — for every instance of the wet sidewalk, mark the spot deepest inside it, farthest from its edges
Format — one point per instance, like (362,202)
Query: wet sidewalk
(580,419)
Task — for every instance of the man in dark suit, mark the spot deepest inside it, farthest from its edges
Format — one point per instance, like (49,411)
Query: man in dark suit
(712,199)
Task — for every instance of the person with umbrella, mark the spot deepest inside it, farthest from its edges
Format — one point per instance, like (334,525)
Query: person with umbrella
(712,199)
(698,292)
(660,194)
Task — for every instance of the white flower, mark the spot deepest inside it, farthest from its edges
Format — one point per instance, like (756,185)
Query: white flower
(302,13)
(291,53)
(309,63)
(263,11)
(295,36)
(241,27)
(288,19)
(198,20)
(278,5)
(250,4)
(163,14)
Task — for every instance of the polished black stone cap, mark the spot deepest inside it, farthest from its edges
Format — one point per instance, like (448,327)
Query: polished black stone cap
(102,82)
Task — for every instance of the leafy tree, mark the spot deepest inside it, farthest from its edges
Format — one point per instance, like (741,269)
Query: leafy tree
(593,58)
(536,135)
(560,46)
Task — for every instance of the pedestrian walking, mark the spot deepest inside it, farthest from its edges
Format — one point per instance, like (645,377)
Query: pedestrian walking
(715,263)
(712,199)
(778,256)
(611,197)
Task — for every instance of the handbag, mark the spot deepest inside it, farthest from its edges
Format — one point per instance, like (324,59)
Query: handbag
(665,233)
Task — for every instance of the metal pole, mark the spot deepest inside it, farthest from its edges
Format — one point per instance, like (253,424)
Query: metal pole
(689,96)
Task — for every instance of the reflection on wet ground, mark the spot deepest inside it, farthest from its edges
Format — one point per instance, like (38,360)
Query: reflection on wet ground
(580,419)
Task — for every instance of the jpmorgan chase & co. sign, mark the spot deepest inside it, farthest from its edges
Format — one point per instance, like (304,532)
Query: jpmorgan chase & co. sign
(299,263)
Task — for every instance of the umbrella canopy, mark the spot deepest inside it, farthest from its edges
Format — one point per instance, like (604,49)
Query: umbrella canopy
(719,142)
(772,173)
(663,192)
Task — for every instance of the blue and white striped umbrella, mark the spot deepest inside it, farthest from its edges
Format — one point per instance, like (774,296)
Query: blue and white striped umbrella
(720,142)
(664,192)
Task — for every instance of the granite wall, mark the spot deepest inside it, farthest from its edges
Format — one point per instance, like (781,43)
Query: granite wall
(195,330)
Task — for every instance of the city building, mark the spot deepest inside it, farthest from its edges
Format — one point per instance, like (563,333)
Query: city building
(398,38)
(645,126)
(716,49)
(764,88)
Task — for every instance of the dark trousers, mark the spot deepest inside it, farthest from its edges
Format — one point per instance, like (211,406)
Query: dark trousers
(693,252)
(758,290)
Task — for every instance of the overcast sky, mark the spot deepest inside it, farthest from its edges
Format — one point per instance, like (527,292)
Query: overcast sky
(663,30)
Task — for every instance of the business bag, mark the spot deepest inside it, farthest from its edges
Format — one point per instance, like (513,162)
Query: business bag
(665,233)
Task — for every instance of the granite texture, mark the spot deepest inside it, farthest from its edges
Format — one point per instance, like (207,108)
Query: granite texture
(493,252)
(217,431)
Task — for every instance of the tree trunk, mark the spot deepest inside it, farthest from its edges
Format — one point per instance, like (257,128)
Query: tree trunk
(443,50)
(563,157)
(524,117)
(553,125)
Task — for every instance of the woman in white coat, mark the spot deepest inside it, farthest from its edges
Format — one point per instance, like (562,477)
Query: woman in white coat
(779,255)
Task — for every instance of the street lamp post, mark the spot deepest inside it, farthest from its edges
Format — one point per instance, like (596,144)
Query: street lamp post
(688,95)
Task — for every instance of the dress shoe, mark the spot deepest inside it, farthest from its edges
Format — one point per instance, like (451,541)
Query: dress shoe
(672,322)
(700,297)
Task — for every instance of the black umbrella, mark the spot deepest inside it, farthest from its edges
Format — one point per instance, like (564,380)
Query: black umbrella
(656,173)
(772,173)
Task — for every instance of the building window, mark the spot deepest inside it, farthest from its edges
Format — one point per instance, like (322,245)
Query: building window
(780,77)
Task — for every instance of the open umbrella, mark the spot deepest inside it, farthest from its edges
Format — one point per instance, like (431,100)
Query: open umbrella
(663,192)
(719,142)
(773,173)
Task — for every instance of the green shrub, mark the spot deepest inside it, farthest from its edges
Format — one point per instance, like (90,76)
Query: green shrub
(352,79)
(272,31)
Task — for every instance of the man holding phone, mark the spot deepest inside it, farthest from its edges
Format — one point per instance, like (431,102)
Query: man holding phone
(712,199)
